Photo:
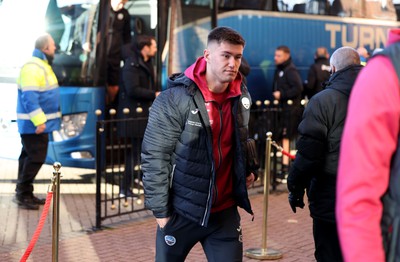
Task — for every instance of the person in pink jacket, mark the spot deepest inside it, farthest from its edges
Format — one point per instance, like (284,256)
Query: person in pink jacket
(370,139)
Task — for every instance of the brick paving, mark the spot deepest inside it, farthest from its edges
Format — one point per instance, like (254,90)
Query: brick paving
(129,237)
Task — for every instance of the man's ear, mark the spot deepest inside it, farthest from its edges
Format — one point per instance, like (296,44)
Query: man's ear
(333,69)
(206,54)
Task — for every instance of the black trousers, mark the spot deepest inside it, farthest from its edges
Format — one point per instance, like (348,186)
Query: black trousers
(221,239)
(132,160)
(31,159)
(327,247)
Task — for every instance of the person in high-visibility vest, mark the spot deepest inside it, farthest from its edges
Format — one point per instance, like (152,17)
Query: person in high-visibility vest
(38,114)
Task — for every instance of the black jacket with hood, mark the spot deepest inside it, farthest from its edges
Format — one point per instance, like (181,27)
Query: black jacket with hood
(177,153)
(316,163)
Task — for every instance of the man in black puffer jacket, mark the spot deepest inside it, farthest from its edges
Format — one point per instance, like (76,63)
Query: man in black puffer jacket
(194,155)
(316,163)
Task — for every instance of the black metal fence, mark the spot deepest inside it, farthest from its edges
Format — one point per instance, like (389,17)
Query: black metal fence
(115,175)
(119,189)
(271,117)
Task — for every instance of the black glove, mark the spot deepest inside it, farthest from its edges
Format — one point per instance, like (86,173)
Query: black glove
(296,200)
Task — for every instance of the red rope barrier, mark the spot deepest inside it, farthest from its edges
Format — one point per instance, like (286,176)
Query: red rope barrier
(288,154)
(283,151)
(38,228)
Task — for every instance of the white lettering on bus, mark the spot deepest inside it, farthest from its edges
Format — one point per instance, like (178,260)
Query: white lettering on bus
(356,35)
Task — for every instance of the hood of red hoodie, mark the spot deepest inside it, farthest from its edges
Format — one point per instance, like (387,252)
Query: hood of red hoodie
(197,73)
(394,36)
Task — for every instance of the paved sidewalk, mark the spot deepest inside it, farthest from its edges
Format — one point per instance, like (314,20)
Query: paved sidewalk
(130,237)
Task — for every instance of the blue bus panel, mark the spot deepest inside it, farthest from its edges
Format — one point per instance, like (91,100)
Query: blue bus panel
(75,144)
(264,31)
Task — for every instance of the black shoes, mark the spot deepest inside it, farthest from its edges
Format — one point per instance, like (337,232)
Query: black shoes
(39,201)
(29,202)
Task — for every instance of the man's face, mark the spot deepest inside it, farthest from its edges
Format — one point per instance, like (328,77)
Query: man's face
(152,49)
(280,57)
(223,60)
(50,49)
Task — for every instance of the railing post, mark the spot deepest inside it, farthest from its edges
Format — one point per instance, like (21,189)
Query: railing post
(264,252)
(56,211)
(99,167)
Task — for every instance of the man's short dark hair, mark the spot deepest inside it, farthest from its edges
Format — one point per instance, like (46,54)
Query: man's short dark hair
(225,34)
(284,48)
(143,40)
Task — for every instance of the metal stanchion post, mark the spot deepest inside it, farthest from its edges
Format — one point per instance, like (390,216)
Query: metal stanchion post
(264,252)
(56,210)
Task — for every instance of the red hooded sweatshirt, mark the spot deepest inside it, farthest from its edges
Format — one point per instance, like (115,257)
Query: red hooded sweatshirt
(369,140)
(219,108)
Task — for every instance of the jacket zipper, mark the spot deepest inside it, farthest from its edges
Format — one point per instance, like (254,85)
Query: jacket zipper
(208,197)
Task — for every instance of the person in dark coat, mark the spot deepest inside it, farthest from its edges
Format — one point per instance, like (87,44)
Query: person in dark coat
(287,87)
(194,152)
(138,90)
(138,86)
(318,73)
(119,34)
(316,163)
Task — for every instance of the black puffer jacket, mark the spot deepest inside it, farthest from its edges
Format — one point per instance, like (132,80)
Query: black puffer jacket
(315,166)
(177,153)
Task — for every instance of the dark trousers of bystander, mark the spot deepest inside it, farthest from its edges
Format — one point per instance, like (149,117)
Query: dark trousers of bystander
(327,247)
(33,156)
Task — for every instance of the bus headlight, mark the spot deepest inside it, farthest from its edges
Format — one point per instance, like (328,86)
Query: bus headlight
(71,126)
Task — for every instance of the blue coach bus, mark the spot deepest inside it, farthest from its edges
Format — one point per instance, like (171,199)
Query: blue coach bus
(301,25)
(181,28)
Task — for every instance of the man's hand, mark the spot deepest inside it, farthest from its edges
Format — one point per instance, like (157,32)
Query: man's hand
(40,129)
(296,200)
(250,179)
(277,95)
(162,221)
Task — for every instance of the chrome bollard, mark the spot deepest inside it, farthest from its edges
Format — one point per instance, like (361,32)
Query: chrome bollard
(264,252)
(56,210)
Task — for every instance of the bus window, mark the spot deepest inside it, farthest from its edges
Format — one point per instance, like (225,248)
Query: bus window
(73,27)
(380,9)
(317,7)
(248,4)
(289,5)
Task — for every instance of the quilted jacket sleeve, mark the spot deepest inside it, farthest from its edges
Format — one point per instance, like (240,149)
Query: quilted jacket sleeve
(162,133)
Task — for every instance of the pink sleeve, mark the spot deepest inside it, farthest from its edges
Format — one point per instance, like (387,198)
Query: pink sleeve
(368,142)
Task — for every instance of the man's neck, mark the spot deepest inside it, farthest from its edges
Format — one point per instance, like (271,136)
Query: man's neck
(217,88)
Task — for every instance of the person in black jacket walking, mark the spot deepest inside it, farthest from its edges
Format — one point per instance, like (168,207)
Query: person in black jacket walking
(287,87)
(195,172)
(138,91)
(318,73)
(316,163)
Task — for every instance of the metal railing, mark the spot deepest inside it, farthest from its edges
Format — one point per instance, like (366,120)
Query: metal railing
(119,188)
(118,140)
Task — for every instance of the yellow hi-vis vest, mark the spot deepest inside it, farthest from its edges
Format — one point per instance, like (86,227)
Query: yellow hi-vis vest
(38,97)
